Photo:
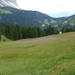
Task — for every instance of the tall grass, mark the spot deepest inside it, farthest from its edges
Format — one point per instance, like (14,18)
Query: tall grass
(47,57)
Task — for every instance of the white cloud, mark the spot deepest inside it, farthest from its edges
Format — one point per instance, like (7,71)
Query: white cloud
(48,6)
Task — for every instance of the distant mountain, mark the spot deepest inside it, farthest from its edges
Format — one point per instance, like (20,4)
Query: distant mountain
(11,13)
(68,22)
(27,18)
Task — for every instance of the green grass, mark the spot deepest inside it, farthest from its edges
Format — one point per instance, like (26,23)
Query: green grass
(5,11)
(47,57)
(4,39)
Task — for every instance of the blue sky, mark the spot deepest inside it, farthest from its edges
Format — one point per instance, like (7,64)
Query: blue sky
(49,6)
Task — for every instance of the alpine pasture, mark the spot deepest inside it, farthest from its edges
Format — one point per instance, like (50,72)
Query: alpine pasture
(50,55)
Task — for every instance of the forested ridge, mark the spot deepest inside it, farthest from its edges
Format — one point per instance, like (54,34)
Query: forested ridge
(18,24)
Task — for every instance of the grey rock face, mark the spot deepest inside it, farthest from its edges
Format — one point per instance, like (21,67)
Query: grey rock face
(9,3)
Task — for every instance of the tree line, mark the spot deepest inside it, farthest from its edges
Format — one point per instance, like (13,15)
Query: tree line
(65,30)
(21,32)
(17,32)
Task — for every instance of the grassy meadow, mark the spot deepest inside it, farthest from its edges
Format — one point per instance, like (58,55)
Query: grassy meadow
(50,55)
(3,39)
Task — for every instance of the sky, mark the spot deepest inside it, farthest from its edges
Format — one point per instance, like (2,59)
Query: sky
(49,6)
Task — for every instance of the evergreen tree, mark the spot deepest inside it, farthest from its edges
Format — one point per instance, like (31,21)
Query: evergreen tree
(29,31)
(8,31)
(49,30)
(63,30)
(52,30)
(24,32)
(17,34)
(45,32)
(71,30)
(0,37)
(39,32)
(67,30)
(34,32)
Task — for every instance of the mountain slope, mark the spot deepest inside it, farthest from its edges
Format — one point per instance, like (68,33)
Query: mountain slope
(69,22)
(10,14)
(23,17)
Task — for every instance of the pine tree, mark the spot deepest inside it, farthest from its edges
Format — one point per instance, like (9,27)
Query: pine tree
(45,32)
(63,30)
(49,30)
(8,31)
(0,37)
(24,32)
(17,34)
(39,32)
(52,30)
(35,32)
(29,32)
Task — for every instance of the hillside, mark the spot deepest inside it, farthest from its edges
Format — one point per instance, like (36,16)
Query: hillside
(34,18)
(21,17)
(69,22)
(12,14)
(52,55)
(26,18)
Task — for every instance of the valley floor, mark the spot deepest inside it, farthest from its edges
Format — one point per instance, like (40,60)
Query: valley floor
(50,55)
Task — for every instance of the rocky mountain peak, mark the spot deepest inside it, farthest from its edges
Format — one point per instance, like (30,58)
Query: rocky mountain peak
(9,3)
